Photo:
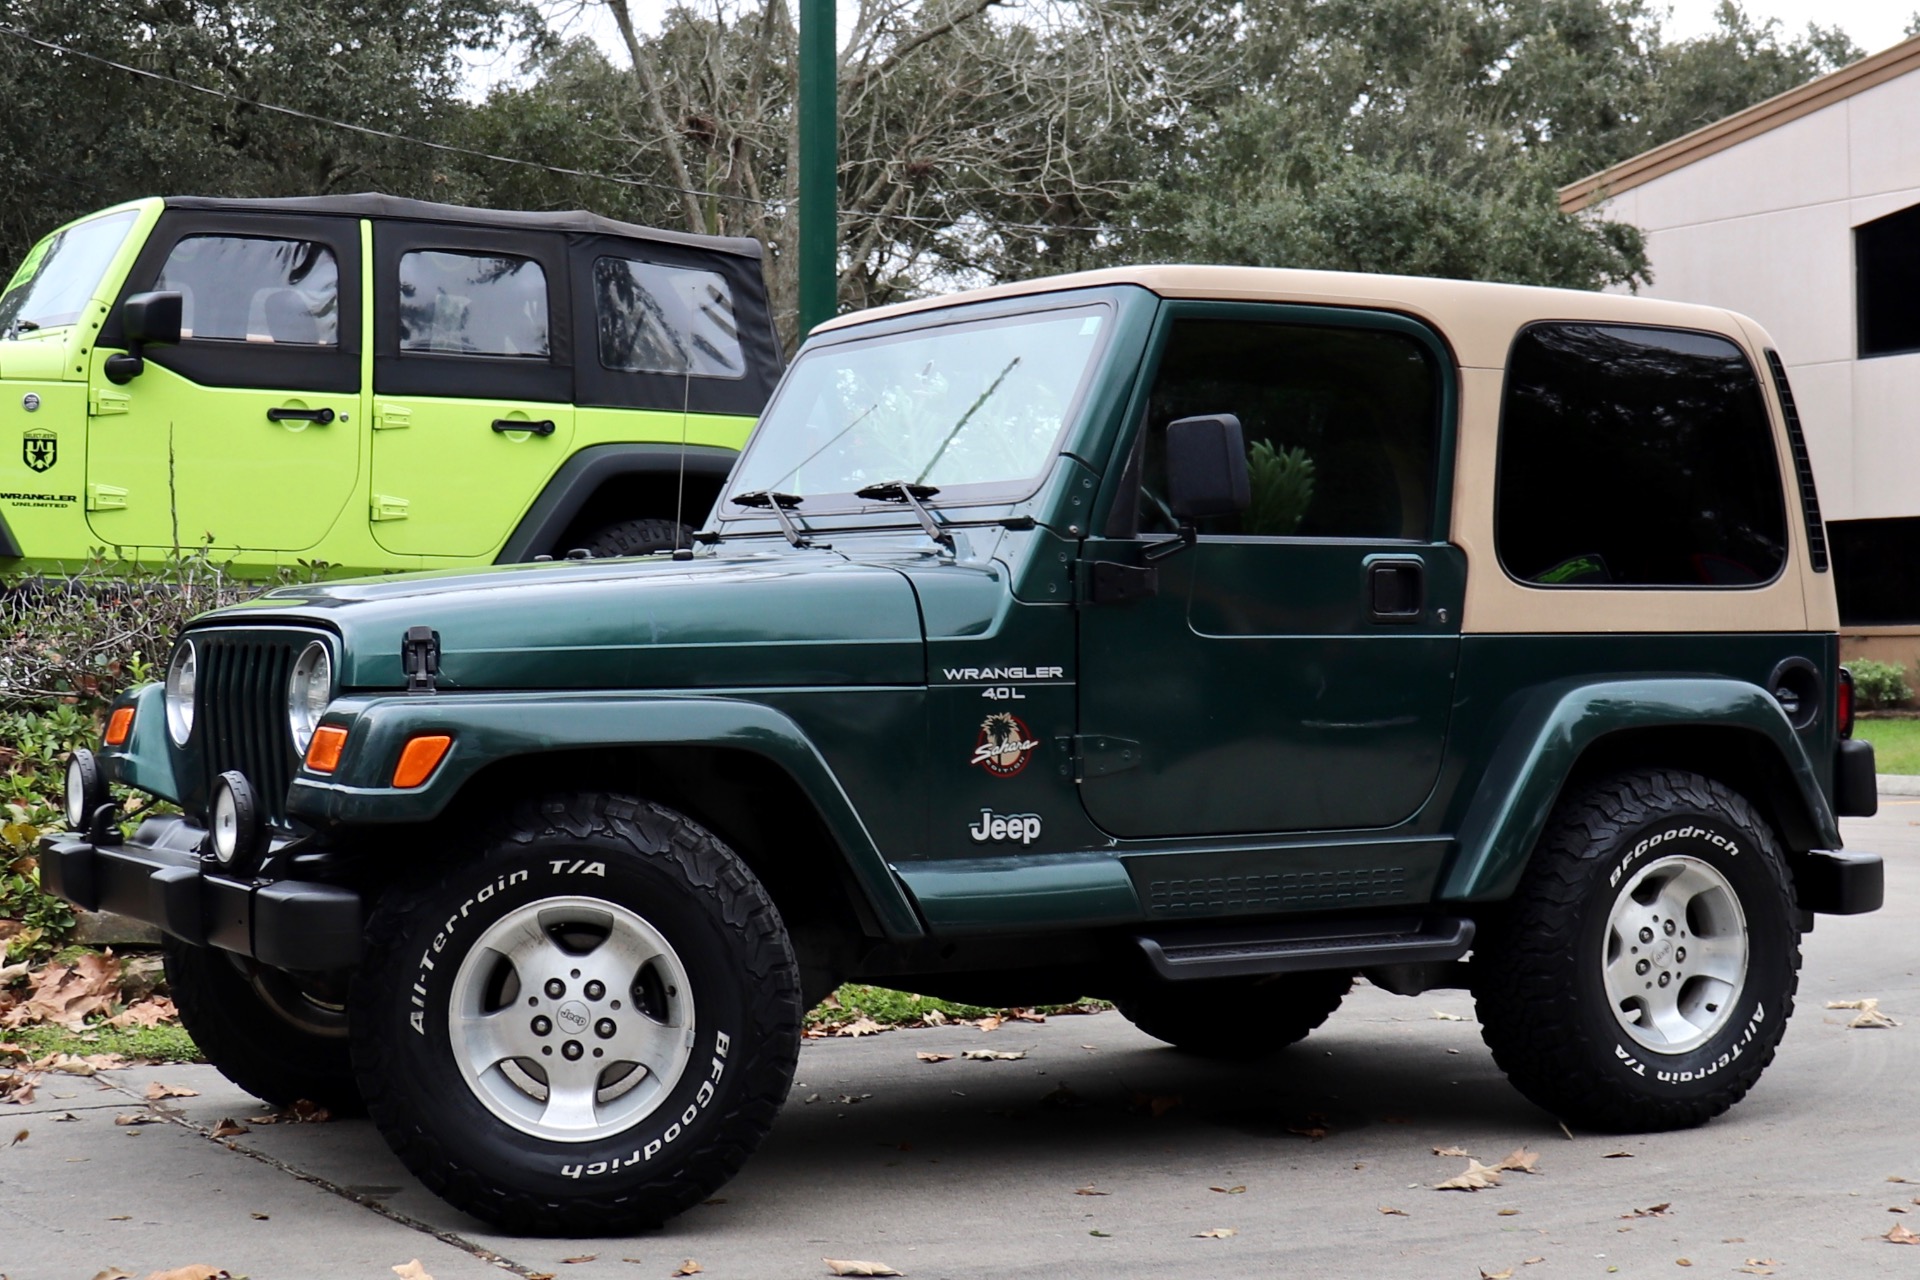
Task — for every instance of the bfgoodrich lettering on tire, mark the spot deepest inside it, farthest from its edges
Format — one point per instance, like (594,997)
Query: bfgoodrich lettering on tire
(587,1027)
(1643,973)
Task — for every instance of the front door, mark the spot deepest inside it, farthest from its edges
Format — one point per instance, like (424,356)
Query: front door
(242,437)
(472,380)
(1294,671)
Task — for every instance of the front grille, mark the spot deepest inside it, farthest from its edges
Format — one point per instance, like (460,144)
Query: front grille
(242,717)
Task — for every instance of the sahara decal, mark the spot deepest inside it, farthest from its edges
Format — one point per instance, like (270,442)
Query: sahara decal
(994,828)
(39,449)
(1005,745)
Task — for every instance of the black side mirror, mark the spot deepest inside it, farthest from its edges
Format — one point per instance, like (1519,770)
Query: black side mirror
(149,319)
(1207,468)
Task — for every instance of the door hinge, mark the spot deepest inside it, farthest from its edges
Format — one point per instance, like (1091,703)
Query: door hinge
(102,403)
(388,507)
(106,497)
(392,417)
(1109,582)
(1096,755)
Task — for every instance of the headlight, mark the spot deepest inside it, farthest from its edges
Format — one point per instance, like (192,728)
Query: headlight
(180,679)
(308,693)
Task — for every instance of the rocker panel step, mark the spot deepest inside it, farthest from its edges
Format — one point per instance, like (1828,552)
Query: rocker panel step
(1252,952)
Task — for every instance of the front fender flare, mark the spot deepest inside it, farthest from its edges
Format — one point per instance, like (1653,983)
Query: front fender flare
(1546,732)
(490,727)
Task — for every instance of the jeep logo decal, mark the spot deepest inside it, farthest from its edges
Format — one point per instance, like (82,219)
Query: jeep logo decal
(994,828)
(40,449)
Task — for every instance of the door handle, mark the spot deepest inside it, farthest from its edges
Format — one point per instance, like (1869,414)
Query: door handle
(544,427)
(319,417)
(1396,590)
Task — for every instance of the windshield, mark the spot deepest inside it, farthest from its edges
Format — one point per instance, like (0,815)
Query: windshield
(974,410)
(52,287)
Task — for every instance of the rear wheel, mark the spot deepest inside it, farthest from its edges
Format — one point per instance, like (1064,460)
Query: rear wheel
(1643,974)
(279,1037)
(588,1027)
(639,538)
(1237,1017)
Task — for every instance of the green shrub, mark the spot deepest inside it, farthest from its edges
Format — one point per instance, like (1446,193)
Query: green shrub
(1879,684)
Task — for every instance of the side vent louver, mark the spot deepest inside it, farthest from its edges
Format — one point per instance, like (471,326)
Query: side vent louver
(1802,465)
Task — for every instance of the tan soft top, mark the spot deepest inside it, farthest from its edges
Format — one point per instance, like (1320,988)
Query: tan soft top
(1477,318)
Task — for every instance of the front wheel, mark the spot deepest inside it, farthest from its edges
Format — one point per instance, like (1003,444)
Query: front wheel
(281,1038)
(587,1028)
(1643,974)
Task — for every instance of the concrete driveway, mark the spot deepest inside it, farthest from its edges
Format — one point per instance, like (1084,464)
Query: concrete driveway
(970,1168)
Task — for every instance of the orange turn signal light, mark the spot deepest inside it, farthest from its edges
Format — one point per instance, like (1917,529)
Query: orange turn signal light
(119,726)
(420,758)
(323,753)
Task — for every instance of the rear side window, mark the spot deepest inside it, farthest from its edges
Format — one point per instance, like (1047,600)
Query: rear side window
(1340,426)
(1636,456)
(255,289)
(659,319)
(462,304)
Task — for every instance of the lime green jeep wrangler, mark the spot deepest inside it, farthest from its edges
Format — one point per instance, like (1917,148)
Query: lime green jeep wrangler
(371,383)
(1194,637)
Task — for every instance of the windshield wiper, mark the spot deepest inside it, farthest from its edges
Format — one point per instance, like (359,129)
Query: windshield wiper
(910,493)
(19,327)
(778,503)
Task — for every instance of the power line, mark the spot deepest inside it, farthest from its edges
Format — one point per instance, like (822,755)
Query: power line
(987,225)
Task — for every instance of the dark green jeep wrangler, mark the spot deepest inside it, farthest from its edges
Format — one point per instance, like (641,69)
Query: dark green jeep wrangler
(1194,637)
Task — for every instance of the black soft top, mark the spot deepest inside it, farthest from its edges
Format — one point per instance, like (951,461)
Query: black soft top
(371,204)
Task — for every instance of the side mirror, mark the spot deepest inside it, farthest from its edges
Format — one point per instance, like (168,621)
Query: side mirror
(149,319)
(1206,475)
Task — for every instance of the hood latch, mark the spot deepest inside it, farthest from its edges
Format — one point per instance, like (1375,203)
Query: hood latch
(420,659)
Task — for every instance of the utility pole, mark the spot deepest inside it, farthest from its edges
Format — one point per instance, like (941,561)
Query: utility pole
(819,165)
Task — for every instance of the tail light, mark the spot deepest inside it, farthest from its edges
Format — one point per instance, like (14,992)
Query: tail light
(1843,704)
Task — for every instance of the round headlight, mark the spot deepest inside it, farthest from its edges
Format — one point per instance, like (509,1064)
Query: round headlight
(308,693)
(180,680)
(85,790)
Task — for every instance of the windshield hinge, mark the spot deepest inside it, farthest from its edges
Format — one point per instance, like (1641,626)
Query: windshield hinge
(420,659)
(1096,755)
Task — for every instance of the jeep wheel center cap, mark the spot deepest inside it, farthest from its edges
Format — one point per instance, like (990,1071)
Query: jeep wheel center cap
(573,1017)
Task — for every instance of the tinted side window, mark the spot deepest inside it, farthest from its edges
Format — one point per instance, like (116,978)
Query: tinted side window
(1638,457)
(253,289)
(1340,426)
(659,319)
(1886,272)
(473,305)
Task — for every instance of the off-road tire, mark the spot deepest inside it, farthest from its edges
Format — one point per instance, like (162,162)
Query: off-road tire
(1538,970)
(742,1019)
(250,1025)
(1236,1018)
(639,538)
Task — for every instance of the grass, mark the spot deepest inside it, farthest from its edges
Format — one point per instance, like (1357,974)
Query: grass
(143,1044)
(1896,744)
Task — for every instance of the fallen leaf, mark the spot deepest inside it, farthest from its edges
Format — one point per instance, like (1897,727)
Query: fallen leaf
(1763,1262)
(1450,1151)
(66,995)
(1683,1262)
(585,1257)
(1475,1177)
(1528,1262)
(1496,1275)
(20,1137)
(1894,1177)
(1398,1213)
(1900,1235)
(1869,1014)
(412,1271)
(154,1011)
(1217,1233)
(852,1099)
(196,1271)
(1569,1136)
(1521,1161)
(934,1018)
(1651,1211)
(121,1217)
(258,1217)
(1618,1155)
(229,1127)
(1229,1191)
(992,1055)
(136,1117)
(853,1267)
(989,1023)
(156,1091)
(1104,1235)
(1441,1015)
(687,1268)
(934,1057)
(1507,1213)
(112,1273)
(858,1027)
(1088,1190)
(1754,1271)
(65,1117)
(1312,1133)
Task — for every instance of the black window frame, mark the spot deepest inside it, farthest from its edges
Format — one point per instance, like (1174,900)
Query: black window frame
(470,376)
(1871,276)
(1501,456)
(218,362)
(596,386)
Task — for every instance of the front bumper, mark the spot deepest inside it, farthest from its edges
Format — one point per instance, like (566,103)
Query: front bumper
(158,877)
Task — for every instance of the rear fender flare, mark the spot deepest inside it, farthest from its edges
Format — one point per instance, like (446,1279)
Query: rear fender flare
(586,472)
(1548,730)
(487,728)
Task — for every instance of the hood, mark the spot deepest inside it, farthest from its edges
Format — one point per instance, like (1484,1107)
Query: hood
(732,621)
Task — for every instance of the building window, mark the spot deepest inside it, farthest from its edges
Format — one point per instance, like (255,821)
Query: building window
(1886,272)
(1876,571)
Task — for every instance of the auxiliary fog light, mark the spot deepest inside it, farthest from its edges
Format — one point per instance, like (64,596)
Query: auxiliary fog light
(236,833)
(86,789)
